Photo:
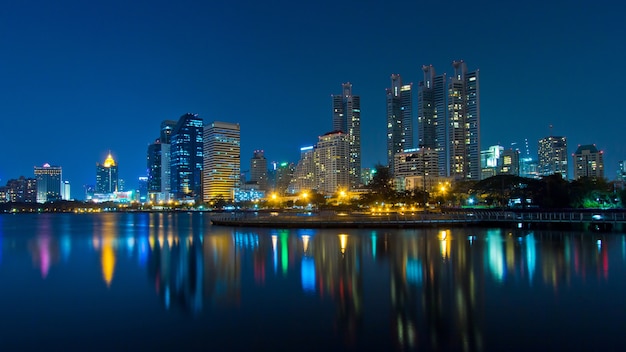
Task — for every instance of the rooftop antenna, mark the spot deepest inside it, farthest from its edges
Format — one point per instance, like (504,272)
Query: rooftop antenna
(551,129)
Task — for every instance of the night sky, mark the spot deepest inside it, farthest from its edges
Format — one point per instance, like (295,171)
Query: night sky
(79,78)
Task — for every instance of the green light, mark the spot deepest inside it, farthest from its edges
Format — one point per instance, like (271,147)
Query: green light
(284,254)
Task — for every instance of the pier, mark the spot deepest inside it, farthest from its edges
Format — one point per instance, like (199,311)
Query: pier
(599,220)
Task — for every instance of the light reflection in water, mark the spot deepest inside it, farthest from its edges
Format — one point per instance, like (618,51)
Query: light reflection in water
(496,254)
(432,281)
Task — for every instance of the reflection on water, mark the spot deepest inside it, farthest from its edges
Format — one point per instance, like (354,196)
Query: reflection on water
(431,289)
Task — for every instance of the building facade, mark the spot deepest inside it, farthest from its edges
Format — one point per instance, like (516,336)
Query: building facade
(21,190)
(552,156)
(222,153)
(49,180)
(347,119)
(464,123)
(304,176)
(333,167)
(416,168)
(588,162)
(186,158)
(432,115)
(258,170)
(107,180)
(399,118)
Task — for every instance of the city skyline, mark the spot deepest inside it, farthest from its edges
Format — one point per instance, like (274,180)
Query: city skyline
(83,79)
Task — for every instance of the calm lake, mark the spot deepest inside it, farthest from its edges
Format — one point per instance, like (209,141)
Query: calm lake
(174,282)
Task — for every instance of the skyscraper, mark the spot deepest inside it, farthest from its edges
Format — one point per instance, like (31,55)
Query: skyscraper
(258,169)
(186,158)
(399,118)
(621,170)
(347,119)
(48,183)
(588,162)
(449,120)
(222,153)
(432,114)
(158,164)
(464,123)
(107,180)
(552,158)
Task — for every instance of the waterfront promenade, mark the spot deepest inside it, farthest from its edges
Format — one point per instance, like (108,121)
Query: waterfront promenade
(600,220)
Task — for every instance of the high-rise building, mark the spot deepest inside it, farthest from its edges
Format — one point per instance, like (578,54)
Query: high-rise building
(22,190)
(432,115)
(332,167)
(464,123)
(347,119)
(107,180)
(304,176)
(449,120)
(552,156)
(258,170)
(588,162)
(280,175)
(48,183)
(159,168)
(65,191)
(222,155)
(399,118)
(186,158)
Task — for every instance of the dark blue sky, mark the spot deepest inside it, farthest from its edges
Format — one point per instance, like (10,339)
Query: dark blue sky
(80,78)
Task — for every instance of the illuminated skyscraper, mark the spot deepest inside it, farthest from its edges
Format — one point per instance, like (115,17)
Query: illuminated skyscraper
(432,116)
(222,153)
(449,120)
(107,176)
(48,183)
(347,119)
(186,158)
(464,123)
(159,168)
(258,169)
(553,156)
(588,162)
(399,118)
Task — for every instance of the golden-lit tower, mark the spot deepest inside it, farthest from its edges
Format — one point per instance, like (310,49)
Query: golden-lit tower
(107,176)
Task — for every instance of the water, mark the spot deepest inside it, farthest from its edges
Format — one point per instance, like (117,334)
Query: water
(174,282)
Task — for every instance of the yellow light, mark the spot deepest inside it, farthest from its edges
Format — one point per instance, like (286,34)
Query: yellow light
(343,242)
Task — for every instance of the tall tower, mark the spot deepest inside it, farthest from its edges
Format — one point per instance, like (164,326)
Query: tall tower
(464,123)
(258,169)
(158,164)
(222,160)
(432,116)
(107,176)
(186,154)
(588,162)
(48,183)
(399,118)
(553,156)
(347,119)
